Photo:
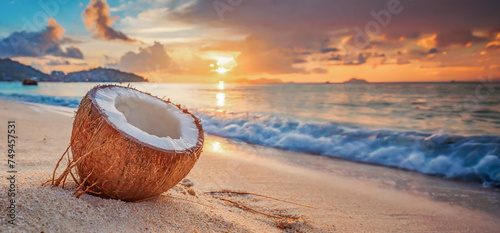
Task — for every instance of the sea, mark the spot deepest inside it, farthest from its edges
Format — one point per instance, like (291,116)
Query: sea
(444,129)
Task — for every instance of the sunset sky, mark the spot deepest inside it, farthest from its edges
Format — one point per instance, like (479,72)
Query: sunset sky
(291,40)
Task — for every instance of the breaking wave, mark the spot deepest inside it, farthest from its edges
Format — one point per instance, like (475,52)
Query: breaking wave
(471,158)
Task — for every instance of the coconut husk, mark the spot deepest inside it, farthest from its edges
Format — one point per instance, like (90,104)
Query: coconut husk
(113,164)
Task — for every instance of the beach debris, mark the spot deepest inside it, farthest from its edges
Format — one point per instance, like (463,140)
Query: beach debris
(191,192)
(129,145)
(255,194)
(244,207)
(186,182)
(288,225)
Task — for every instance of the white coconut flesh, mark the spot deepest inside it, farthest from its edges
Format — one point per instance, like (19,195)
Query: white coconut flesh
(147,118)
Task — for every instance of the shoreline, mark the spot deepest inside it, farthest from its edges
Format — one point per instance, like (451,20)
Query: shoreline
(350,197)
(454,191)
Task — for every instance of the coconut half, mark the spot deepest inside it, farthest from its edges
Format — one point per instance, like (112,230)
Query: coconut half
(132,146)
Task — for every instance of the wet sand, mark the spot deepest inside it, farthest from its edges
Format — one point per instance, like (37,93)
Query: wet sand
(350,197)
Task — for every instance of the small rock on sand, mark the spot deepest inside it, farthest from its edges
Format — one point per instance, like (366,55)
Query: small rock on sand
(191,191)
(186,182)
(288,225)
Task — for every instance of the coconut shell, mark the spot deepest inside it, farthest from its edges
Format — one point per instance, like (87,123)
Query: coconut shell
(113,164)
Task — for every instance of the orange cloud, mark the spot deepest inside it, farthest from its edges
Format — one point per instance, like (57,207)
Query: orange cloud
(263,56)
(98,20)
(463,38)
(428,42)
(54,30)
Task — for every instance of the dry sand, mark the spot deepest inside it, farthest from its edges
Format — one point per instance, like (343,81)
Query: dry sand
(346,200)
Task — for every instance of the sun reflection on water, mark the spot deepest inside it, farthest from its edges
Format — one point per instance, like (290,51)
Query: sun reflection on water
(221,98)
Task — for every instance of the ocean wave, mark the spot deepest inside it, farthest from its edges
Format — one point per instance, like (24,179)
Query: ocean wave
(471,158)
(64,101)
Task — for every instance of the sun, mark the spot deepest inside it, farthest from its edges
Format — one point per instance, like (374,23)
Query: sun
(224,64)
(221,70)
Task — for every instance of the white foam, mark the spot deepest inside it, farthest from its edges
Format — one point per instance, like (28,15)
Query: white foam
(147,118)
(475,157)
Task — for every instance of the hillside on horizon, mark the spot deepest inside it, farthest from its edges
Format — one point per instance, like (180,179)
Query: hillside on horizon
(15,71)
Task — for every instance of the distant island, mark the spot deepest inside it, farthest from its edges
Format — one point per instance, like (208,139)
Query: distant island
(356,81)
(14,71)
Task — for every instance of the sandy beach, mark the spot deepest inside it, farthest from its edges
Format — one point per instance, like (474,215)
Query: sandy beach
(349,197)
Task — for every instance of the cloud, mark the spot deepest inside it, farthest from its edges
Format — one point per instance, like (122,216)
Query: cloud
(57,63)
(98,20)
(279,16)
(458,37)
(317,27)
(328,50)
(334,57)
(319,70)
(261,56)
(37,44)
(222,46)
(61,62)
(361,60)
(299,60)
(73,52)
(402,61)
(150,59)
(493,47)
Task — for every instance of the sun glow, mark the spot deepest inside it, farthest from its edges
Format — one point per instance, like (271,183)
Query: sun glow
(216,147)
(221,85)
(221,70)
(224,64)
